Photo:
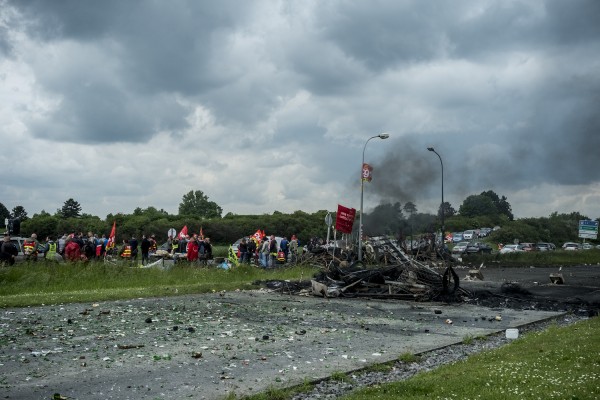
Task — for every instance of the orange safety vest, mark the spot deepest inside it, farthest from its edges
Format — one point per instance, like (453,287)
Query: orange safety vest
(126,252)
(29,247)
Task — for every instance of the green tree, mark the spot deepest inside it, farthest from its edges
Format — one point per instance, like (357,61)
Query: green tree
(71,209)
(477,205)
(410,208)
(501,203)
(4,213)
(197,204)
(20,213)
(449,211)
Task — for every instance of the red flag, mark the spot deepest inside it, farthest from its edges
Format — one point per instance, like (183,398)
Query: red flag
(257,236)
(201,233)
(183,233)
(262,234)
(344,219)
(111,238)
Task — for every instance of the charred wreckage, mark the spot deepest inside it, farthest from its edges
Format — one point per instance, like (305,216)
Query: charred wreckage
(390,271)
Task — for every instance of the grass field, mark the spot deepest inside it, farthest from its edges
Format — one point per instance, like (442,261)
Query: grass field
(558,363)
(39,283)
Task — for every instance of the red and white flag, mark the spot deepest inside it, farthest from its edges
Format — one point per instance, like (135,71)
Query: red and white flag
(111,238)
(257,236)
(183,233)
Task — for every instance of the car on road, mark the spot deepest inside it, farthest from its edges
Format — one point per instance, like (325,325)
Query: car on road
(459,248)
(478,248)
(457,237)
(528,246)
(511,248)
(485,232)
(544,246)
(469,235)
(586,246)
(570,246)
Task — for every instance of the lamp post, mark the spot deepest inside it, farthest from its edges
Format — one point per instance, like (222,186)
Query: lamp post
(362,191)
(442,208)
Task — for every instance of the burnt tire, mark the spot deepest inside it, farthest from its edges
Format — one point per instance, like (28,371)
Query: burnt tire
(450,281)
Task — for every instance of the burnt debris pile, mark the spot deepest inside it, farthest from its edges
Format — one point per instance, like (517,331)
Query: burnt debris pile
(387,272)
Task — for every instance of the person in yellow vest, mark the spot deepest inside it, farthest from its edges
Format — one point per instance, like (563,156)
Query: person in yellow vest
(125,250)
(50,249)
(30,248)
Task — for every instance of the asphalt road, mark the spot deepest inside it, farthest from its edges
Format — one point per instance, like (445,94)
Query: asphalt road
(206,346)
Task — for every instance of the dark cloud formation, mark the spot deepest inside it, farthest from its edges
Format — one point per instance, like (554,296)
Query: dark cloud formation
(506,92)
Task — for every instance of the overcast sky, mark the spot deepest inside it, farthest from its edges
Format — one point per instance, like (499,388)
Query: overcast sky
(267,105)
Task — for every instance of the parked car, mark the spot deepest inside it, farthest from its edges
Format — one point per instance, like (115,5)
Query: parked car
(528,246)
(459,248)
(484,232)
(570,246)
(457,237)
(544,247)
(478,248)
(586,246)
(469,235)
(511,248)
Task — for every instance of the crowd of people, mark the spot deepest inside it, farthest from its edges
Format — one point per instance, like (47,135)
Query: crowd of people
(267,252)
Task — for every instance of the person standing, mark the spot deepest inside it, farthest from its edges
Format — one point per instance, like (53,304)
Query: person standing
(243,249)
(62,242)
(273,249)
(208,248)
(284,246)
(72,250)
(251,250)
(192,250)
(294,248)
(8,251)
(133,245)
(145,247)
(30,248)
(264,253)
(50,249)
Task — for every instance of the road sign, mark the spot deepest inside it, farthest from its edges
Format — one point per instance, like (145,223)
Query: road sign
(588,229)
(172,232)
(328,219)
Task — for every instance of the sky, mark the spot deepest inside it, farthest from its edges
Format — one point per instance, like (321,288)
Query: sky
(271,105)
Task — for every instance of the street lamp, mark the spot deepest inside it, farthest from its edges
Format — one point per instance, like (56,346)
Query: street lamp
(362,190)
(442,209)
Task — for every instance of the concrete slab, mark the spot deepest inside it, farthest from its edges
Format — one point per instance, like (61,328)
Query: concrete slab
(206,346)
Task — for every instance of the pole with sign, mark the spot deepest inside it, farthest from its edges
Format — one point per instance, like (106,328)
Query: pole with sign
(172,232)
(328,222)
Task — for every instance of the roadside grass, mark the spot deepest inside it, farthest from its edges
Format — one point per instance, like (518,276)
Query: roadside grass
(39,283)
(557,363)
(540,258)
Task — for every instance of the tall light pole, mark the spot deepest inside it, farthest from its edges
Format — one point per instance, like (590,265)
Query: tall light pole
(442,209)
(362,191)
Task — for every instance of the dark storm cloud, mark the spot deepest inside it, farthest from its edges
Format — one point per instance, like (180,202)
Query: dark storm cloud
(381,34)
(155,50)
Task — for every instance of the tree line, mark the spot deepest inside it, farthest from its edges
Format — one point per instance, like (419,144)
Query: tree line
(197,212)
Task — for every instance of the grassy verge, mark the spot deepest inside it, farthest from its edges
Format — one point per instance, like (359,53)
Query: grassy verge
(540,258)
(558,363)
(39,283)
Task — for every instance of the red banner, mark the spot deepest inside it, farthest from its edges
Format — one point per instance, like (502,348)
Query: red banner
(344,219)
